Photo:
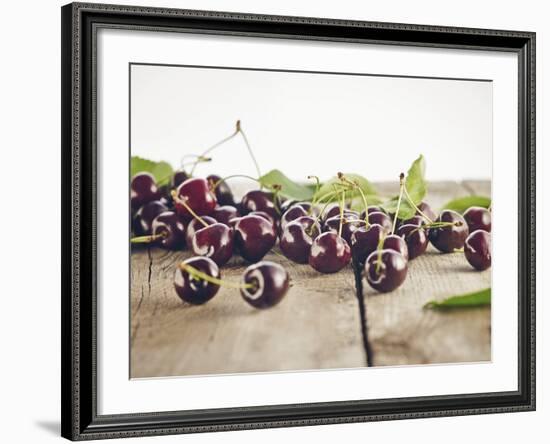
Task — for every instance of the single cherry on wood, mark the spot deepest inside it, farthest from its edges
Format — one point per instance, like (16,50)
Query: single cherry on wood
(477,249)
(264,284)
(192,288)
(385,270)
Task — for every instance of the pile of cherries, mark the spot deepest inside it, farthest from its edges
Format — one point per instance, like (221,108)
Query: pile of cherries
(203,215)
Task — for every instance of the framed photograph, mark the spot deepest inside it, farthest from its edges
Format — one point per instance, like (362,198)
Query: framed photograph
(278,221)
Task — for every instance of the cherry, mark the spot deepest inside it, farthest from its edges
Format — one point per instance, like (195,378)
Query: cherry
(415,220)
(254,237)
(195,225)
(291,214)
(259,200)
(329,253)
(371,209)
(194,196)
(477,249)
(191,288)
(396,243)
(297,238)
(214,241)
(385,270)
(264,284)
(143,220)
(178,178)
(478,218)
(377,217)
(365,240)
(426,210)
(143,189)
(265,215)
(451,235)
(221,189)
(415,238)
(171,229)
(349,225)
(225,213)
(333,210)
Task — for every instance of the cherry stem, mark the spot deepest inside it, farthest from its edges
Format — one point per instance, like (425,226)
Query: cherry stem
(342,214)
(233,176)
(240,130)
(147,239)
(379,254)
(217,144)
(187,207)
(415,207)
(197,274)
(276,190)
(401,189)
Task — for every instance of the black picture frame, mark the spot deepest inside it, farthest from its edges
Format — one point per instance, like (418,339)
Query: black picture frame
(79,171)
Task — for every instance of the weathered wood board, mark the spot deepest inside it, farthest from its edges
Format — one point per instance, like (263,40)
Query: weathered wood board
(317,326)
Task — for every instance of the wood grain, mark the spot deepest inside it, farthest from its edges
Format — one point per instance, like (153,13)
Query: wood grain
(317,325)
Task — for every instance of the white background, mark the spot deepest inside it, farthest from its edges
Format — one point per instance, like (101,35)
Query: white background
(348,121)
(29,319)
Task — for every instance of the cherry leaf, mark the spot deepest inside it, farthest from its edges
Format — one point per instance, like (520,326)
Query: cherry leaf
(476,299)
(289,188)
(161,171)
(461,204)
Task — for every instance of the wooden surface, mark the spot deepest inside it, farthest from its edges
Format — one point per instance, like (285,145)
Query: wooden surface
(318,325)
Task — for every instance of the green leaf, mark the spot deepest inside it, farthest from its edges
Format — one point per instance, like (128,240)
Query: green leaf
(161,171)
(289,188)
(476,299)
(367,188)
(461,204)
(416,187)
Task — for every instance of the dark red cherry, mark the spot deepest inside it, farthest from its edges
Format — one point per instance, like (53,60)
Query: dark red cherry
(297,238)
(385,270)
(415,220)
(265,284)
(382,219)
(477,249)
(415,237)
(178,178)
(329,253)
(427,210)
(259,200)
(196,194)
(349,225)
(254,237)
(333,210)
(194,226)
(265,215)
(291,214)
(449,238)
(143,189)
(222,191)
(224,214)
(143,220)
(215,242)
(478,218)
(396,243)
(172,229)
(193,289)
(365,240)
(371,209)
(285,205)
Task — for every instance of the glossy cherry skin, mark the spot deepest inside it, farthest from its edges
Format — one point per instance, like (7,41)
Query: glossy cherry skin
(349,225)
(224,214)
(196,194)
(178,178)
(291,214)
(194,226)
(477,249)
(222,191)
(365,240)
(143,220)
(297,237)
(259,200)
(478,218)
(143,189)
(329,253)
(389,274)
(415,220)
(254,237)
(396,243)
(266,216)
(269,282)
(382,219)
(450,238)
(171,227)
(371,209)
(416,239)
(427,210)
(285,205)
(333,210)
(215,242)
(194,290)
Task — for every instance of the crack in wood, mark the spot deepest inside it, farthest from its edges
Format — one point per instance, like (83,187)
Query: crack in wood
(357,271)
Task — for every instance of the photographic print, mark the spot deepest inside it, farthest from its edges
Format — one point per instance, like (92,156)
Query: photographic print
(292,220)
